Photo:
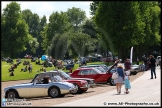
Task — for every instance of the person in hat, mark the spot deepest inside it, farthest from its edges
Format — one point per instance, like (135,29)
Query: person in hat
(119,81)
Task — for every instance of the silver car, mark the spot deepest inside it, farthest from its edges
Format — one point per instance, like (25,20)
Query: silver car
(41,85)
(135,69)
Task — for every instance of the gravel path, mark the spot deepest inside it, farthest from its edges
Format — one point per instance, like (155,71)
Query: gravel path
(47,101)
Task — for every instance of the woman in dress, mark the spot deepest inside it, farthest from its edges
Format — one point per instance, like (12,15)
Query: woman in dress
(119,81)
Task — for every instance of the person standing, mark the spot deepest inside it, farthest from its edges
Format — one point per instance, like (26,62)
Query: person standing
(31,67)
(119,81)
(127,82)
(127,65)
(152,63)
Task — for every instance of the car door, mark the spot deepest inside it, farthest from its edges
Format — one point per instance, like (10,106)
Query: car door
(38,90)
(90,73)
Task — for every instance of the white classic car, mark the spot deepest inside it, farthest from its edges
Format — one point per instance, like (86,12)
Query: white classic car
(41,85)
(135,69)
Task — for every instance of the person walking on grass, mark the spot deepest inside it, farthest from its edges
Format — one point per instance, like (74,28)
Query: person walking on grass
(31,67)
(127,82)
(119,81)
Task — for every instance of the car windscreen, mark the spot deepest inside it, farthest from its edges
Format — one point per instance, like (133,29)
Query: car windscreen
(101,69)
(98,71)
(34,78)
(56,78)
(67,76)
(105,68)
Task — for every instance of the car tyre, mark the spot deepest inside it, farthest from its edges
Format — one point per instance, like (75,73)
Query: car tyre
(111,82)
(77,91)
(134,73)
(54,92)
(11,94)
(85,90)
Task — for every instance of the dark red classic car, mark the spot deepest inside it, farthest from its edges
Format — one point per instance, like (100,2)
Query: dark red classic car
(81,85)
(93,73)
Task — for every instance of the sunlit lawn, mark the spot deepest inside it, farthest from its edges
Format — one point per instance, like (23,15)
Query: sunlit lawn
(26,75)
(22,75)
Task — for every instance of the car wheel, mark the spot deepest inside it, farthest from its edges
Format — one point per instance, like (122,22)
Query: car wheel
(111,82)
(134,73)
(54,92)
(77,90)
(85,90)
(11,94)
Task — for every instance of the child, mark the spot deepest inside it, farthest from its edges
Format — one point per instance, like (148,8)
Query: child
(127,82)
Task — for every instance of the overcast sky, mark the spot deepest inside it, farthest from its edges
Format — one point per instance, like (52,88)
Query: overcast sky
(48,7)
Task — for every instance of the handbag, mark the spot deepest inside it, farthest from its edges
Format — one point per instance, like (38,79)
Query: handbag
(115,75)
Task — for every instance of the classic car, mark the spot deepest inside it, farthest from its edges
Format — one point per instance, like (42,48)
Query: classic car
(66,76)
(135,69)
(40,86)
(158,60)
(95,74)
(81,85)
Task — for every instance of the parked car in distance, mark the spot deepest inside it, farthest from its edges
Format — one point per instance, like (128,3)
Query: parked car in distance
(135,69)
(81,85)
(158,60)
(40,86)
(93,73)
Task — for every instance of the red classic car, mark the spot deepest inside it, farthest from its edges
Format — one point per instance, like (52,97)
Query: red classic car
(81,85)
(93,73)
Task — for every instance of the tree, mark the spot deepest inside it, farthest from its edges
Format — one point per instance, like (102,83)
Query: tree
(81,44)
(42,24)
(14,33)
(33,20)
(76,17)
(121,25)
(58,24)
(59,46)
(89,28)
(27,16)
(93,7)
(34,45)
(149,12)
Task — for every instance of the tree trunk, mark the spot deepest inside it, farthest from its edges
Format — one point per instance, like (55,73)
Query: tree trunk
(12,54)
(140,52)
(120,53)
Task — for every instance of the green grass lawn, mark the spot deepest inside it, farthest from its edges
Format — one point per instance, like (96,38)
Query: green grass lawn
(22,75)
(26,75)
(36,69)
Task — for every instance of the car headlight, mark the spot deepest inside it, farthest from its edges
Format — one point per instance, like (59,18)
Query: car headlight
(86,85)
(81,82)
